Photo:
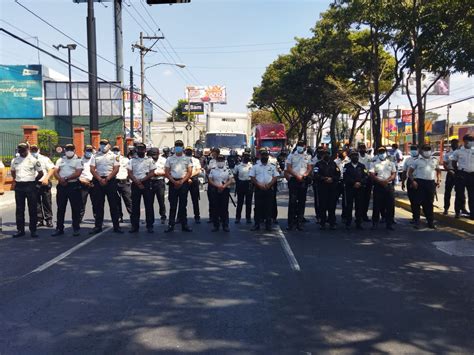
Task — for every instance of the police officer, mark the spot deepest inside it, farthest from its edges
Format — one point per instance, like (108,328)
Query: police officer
(232,159)
(407,164)
(243,188)
(263,176)
(273,161)
(366,159)
(86,180)
(341,160)
(26,171)
(317,157)
(327,174)
(355,179)
(450,183)
(104,168)
(194,183)
(463,163)
(158,186)
(166,152)
(212,163)
(140,170)
(45,212)
(298,166)
(178,170)
(123,183)
(67,171)
(422,175)
(383,173)
(220,179)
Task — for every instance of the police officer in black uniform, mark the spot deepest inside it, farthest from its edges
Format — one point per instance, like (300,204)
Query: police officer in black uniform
(220,179)
(327,174)
(212,163)
(158,184)
(355,180)
(243,188)
(194,184)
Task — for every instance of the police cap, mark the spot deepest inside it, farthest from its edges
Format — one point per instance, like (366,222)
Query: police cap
(467,138)
(413,147)
(88,147)
(301,142)
(189,148)
(104,141)
(69,146)
(179,143)
(353,152)
(247,150)
(22,146)
(381,150)
(154,151)
(264,151)
(425,147)
(115,147)
(34,146)
(140,145)
(220,157)
(166,150)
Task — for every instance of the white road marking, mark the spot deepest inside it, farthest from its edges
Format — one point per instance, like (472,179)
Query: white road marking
(68,252)
(288,252)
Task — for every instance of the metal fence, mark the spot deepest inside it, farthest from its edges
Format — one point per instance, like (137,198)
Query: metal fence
(8,144)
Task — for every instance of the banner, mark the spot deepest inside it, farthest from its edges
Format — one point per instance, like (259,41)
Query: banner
(214,94)
(194,108)
(439,128)
(21,91)
(137,107)
(441,87)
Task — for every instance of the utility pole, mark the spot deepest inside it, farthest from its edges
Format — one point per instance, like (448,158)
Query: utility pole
(118,40)
(143,51)
(131,102)
(92,61)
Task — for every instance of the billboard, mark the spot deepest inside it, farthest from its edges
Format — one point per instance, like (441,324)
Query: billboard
(137,107)
(214,94)
(21,91)
(441,87)
(194,108)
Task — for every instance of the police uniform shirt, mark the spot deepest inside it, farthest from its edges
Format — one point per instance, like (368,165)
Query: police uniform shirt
(242,171)
(141,167)
(408,163)
(196,166)
(159,167)
(465,159)
(366,160)
(355,173)
(264,174)
(425,169)
(104,163)
(448,159)
(299,162)
(86,169)
(46,163)
(25,168)
(327,169)
(340,164)
(220,175)
(383,169)
(213,164)
(122,173)
(178,166)
(68,167)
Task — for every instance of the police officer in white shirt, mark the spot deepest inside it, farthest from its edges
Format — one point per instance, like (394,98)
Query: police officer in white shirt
(123,183)
(424,175)
(450,183)
(26,171)
(178,170)
(407,164)
(299,167)
(220,179)
(67,172)
(341,160)
(86,180)
(366,159)
(194,183)
(212,163)
(463,163)
(383,172)
(243,188)
(45,211)
(158,185)
(140,170)
(104,168)
(263,176)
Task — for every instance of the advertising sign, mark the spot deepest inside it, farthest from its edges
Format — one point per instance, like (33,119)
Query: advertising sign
(137,107)
(406,116)
(194,108)
(21,91)
(441,87)
(214,94)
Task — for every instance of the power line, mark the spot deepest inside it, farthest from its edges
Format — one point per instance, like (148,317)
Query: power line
(451,103)
(236,45)
(143,19)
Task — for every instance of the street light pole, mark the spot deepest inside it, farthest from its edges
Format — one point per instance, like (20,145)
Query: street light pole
(92,62)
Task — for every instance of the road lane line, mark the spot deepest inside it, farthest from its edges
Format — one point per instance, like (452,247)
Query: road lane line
(68,252)
(288,252)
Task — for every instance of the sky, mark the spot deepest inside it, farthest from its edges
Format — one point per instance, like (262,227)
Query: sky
(221,42)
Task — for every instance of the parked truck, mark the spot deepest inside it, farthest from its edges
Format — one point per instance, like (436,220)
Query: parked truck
(271,136)
(228,131)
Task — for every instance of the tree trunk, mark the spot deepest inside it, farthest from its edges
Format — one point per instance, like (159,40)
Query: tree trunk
(420,105)
(332,133)
(354,127)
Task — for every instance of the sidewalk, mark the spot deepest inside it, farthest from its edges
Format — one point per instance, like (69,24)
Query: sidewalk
(8,198)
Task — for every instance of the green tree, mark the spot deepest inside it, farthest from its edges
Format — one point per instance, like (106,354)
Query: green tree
(262,117)
(179,114)
(48,140)
(470,117)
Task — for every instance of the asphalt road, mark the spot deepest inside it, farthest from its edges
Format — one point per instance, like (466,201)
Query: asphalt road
(341,292)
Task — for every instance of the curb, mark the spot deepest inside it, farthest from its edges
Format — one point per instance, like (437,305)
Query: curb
(463,224)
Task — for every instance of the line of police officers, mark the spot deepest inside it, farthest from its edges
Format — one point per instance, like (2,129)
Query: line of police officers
(141,175)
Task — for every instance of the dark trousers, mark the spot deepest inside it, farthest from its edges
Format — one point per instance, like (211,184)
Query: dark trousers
(86,191)
(460,180)
(354,200)
(244,190)
(124,190)
(275,205)
(263,206)
(341,193)
(194,192)
(158,188)
(98,199)
(72,193)
(411,197)
(297,201)
(328,195)
(424,197)
(465,181)
(175,196)
(316,199)
(366,198)
(384,200)
(211,203)
(26,191)
(221,200)
(137,195)
(45,209)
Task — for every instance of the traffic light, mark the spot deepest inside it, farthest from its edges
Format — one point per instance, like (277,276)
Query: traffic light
(161,2)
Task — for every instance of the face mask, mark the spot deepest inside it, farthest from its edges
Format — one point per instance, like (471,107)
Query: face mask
(414,153)
(426,153)
(141,154)
(362,153)
(264,160)
(104,148)
(35,154)
(220,164)
(116,152)
(154,157)
(178,150)
(69,153)
(88,155)
(383,156)
(355,160)
(300,149)
(189,154)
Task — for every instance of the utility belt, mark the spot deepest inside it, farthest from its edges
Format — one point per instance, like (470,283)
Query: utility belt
(123,181)
(157,178)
